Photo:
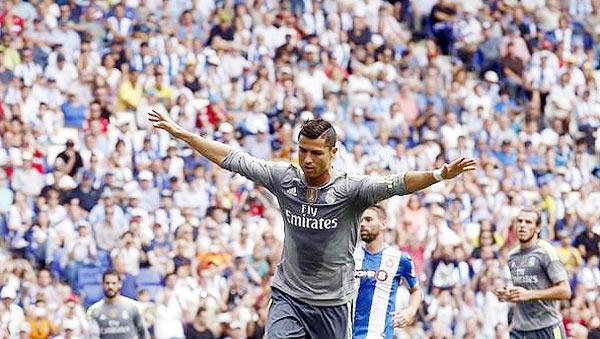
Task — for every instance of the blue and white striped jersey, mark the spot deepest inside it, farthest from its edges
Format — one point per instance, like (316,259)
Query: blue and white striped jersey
(378,276)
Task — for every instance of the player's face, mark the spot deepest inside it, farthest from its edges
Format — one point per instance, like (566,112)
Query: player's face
(111,285)
(315,157)
(526,226)
(370,226)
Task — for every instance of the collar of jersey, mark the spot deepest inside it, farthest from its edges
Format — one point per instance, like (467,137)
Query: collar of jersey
(385,246)
(334,176)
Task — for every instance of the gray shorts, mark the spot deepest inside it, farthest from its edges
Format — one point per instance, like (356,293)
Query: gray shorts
(553,332)
(290,318)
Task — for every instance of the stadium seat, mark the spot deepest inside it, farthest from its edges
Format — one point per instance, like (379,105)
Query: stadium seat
(88,276)
(91,293)
(148,277)
(103,258)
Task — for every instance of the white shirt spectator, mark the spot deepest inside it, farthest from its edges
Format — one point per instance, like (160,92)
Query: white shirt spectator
(28,72)
(312,82)
(11,319)
(64,75)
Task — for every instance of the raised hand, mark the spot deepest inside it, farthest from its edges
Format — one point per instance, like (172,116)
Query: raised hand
(163,121)
(458,167)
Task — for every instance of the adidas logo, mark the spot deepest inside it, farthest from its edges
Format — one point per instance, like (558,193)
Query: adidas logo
(292,191)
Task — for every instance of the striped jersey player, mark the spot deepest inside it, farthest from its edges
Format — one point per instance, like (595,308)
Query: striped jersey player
(380,269)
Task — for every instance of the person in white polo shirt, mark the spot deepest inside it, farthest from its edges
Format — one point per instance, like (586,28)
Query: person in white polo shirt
(11,314)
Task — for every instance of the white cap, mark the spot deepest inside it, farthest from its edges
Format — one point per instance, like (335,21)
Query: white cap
(491,76)
(135,195)
(429,135)
(27,156)
(69,324)
(224,318)
(145,175)
(310,48)
(39,312)
(25,327)
(306,115)
(8,292)
(67,183)
(226,128)
(328,116)
(438,212)
(262,128)
(564,187)
(358,111)
(213,60)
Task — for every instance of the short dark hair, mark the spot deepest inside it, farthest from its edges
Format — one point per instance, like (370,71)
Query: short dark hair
(538,218)
(381,213)
(319,128)
(538,215)
(110,271)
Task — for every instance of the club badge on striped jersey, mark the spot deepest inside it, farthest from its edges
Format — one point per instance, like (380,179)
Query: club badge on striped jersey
(389,262)
(311,195)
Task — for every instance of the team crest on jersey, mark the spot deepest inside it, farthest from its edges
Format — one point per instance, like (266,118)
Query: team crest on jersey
(381,275)
(311,195)
(389,262)
(330,197)
(125,315)
(531,262)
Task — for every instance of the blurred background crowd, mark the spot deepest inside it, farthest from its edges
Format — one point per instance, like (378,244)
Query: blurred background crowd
(86,183)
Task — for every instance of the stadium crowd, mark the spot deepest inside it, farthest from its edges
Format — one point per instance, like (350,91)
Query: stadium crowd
(86,183)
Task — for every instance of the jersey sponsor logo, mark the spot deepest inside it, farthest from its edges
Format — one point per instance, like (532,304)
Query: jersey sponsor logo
(531,262)
(309,219)
(525,279)
(380,275)
(115,330)
(521,277)
(309,222)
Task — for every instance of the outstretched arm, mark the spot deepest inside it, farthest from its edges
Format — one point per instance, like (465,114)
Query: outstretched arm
(418,180)
(372,189)
(213,150)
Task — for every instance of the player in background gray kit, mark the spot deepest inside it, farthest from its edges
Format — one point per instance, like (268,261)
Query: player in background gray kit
(539,280)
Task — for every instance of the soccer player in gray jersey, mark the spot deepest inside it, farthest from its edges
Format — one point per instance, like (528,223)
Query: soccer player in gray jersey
(539,280)
(313,287)
(116,316)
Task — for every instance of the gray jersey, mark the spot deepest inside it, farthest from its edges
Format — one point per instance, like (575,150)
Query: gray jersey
(536,268)
(321,224)
(119,320)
